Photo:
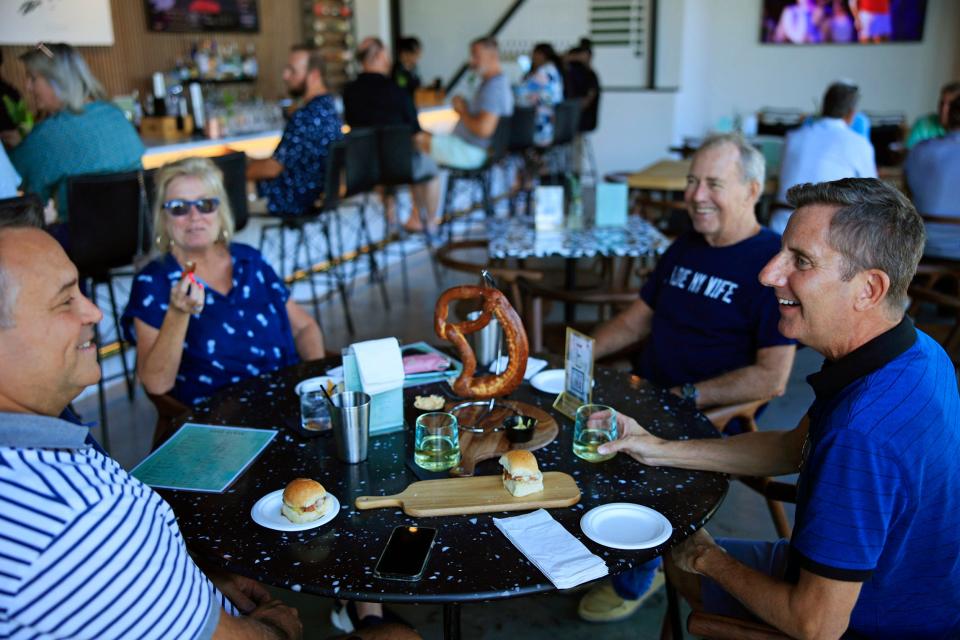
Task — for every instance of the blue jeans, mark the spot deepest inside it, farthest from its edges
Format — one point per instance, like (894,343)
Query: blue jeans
(632,584)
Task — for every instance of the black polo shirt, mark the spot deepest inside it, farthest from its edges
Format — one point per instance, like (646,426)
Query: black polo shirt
(373,100)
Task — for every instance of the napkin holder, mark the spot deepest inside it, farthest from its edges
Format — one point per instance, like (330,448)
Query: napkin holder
(386,408)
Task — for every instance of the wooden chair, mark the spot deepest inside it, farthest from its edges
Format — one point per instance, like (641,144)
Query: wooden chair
(713,627)
(450,256)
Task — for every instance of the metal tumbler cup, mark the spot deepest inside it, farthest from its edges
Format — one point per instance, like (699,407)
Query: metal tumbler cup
(486,342)
(351,425)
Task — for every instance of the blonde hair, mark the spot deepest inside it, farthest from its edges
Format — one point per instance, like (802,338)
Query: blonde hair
(212,178)
(67,72)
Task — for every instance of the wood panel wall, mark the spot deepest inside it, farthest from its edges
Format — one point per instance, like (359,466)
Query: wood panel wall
(137,53)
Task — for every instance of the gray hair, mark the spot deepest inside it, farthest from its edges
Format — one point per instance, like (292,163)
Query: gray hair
(876,227)
(212,178)
(753,168)
(15,213)
(67,72)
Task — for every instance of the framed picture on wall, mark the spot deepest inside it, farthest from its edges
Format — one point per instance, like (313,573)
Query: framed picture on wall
(202,15)
(842,21)
(79,22)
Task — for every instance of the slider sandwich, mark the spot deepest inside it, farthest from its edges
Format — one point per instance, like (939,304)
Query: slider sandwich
(304,500)
(521,475)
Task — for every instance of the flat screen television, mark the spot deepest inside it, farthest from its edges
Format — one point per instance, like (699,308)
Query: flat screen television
(202,15)
(842,21)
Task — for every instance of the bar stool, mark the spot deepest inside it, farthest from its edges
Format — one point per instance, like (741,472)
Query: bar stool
(522,127)
(107,230)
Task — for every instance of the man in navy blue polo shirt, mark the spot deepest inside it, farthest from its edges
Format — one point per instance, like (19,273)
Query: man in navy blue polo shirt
(712,327)
(875,548)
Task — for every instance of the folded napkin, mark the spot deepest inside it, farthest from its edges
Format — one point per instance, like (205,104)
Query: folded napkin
(552,549)
(534,366)
(425,363)
(380,365)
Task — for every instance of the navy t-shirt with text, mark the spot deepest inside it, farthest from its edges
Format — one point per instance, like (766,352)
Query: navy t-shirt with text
(711,314)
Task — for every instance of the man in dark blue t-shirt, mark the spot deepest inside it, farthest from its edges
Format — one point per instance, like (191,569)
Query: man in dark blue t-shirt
(711,327)
(875,548)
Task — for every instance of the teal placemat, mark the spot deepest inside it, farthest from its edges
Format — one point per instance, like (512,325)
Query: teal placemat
(202,457)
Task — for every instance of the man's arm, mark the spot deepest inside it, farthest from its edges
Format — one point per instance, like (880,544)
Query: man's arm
(263,169)
(761,453)
(482,125)
(815,607)
(765,379)
(627,327)
(270,621)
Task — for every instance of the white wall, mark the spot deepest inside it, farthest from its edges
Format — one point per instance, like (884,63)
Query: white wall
(372,18)
(727,70)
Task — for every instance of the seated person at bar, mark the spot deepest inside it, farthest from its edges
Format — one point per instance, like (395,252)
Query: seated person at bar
(81,132)
(466,147)
(80,536)
(231,318)
(293,178)
(932,171)
(710,327)
(934,125)
(542,88)
(404,71)
(826,149)
(373,100)
(874,548)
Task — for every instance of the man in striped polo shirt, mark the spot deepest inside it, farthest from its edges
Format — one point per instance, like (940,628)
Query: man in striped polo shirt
(875,549)
(87,551)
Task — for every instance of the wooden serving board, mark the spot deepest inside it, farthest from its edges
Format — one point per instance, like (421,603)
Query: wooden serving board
(479,494)
(477,447)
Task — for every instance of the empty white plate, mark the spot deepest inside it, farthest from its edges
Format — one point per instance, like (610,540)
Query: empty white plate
(311,384)
(549,381)
(266,513)
(624,525)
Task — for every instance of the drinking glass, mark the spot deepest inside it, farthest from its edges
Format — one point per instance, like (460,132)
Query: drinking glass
(436,444)
(314,410)
(595,425)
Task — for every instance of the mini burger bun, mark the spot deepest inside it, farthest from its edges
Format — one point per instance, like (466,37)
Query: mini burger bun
(520,462)
(303,492)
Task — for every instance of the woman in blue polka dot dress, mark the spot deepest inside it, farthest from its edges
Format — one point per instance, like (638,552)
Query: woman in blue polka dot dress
(209,313)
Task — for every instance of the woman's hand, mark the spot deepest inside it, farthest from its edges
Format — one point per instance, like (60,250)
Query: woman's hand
(188,296)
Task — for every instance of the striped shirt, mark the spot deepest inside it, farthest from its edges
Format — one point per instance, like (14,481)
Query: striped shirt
(86,550)
(879,491)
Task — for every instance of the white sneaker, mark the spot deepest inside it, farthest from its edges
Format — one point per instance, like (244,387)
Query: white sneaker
(340,618)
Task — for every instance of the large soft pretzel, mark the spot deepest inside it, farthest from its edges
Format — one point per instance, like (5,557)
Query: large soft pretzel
(495,304)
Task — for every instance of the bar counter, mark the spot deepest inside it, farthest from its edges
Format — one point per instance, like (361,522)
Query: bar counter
(439,119)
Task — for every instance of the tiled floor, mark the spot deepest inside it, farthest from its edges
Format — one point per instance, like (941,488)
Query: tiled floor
(743,514)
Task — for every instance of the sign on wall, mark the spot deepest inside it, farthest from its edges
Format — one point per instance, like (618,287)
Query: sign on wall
(77,22)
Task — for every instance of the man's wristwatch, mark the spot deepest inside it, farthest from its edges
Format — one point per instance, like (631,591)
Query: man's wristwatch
(690,393)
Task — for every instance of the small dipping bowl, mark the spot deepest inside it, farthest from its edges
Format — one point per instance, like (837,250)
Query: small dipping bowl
(520,428)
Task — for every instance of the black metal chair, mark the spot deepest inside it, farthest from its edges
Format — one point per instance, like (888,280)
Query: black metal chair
(234,168)
(106,231)
(566,124)
(481,175)
(522,127)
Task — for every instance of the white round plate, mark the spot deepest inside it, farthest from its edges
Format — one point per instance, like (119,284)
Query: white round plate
(549,381)
(266,513)
(316,383)
(624,525)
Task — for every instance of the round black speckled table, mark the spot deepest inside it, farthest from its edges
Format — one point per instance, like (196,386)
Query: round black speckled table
(471,559)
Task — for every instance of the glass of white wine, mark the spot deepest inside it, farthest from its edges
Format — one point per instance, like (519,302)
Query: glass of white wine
(595,425)
(437,441)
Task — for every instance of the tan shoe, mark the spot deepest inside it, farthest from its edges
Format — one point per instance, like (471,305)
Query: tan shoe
(602,604)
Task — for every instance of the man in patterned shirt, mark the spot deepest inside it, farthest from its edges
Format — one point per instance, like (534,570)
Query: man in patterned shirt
(293,178)
(87,551)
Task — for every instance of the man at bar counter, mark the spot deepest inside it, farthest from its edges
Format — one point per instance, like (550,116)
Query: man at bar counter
(293,178)
(710,328)
(466,147)
(875,548)
(87,550)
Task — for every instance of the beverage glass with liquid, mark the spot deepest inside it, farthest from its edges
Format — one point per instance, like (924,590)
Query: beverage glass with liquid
(436,441)
(314,410)
(596,424)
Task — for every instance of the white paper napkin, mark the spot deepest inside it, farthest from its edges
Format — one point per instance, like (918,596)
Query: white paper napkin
(555,551)
(380,365)
(534,366)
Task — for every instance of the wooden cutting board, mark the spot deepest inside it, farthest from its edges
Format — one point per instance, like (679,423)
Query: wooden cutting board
(477,447)
(479,494)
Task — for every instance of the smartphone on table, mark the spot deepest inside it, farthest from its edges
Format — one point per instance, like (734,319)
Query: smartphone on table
(406,554)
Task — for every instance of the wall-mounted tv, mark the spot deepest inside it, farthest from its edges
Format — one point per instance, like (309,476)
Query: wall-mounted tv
(842,21)
(202,15)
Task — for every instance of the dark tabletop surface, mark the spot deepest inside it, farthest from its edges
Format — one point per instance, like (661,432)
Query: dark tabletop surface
(471,559)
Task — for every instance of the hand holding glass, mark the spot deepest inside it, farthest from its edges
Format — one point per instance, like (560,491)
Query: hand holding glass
(437,441)
(596,424)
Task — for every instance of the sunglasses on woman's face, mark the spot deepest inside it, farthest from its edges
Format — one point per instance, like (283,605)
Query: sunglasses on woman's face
(180,207)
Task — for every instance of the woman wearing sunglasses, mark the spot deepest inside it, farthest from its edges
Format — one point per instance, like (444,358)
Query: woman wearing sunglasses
(209,312)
